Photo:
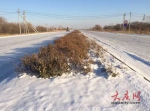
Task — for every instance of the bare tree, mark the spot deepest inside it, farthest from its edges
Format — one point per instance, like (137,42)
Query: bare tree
(97,27)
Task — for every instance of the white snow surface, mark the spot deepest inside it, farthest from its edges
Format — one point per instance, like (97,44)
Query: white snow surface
(71,92)
(134,50)
(137,46)
(14,47)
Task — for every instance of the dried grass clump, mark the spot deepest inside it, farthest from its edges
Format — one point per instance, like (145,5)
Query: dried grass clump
(49,62)
(75,47)
(68,53)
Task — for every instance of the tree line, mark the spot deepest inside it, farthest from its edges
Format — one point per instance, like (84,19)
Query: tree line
(137,27)
(133,26)
(13,28)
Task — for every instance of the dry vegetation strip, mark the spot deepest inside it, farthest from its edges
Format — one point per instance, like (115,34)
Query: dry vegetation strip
(66,54)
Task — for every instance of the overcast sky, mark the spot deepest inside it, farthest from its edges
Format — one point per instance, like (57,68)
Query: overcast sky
(75,13)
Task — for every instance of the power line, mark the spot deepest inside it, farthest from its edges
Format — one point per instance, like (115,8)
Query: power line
(68,15)
(54,14)
(74,17)
(7,11)
(57,16)
(51,15)
(37,12)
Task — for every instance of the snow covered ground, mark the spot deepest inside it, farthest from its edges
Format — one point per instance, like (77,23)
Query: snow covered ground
(14,47)
(92,92)
(136,46)
(134,50)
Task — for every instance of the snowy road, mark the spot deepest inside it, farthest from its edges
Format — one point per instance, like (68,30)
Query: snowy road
(91,92)
(12,48)
(133,50)
(135,46)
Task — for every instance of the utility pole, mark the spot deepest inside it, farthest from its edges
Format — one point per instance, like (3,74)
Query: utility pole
(19,21)
(124,15)
(149,22)
(143,18)
(129,21)
(26,24)
(26,30)
(24,21)
(29,24)
(46,26)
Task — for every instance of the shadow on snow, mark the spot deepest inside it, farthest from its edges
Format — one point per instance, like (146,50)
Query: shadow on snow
(10,60)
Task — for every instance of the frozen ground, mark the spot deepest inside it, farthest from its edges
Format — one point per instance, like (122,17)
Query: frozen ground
(12,48)
(90,92)
(135,46)
(134,50)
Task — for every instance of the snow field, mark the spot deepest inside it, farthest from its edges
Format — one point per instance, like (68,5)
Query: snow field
(90,92)
(70,92)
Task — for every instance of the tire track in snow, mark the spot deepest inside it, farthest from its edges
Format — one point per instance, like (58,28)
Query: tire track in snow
(141,68)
